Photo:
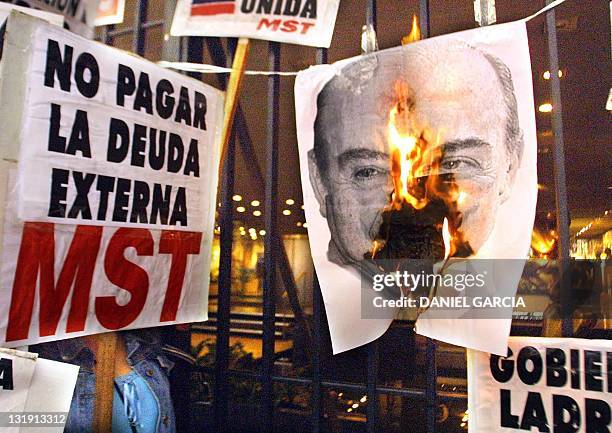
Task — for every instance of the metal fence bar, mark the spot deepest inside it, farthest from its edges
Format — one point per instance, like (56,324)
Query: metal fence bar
(431,388)
(195,53)
(424,17)
(416,393)
(127,30)
(138,30)
(371,15)
(107,37)
(559,170)
(431,382)
(225,287)
(226,223)
(317,320)
(248,151)
(371,388)
(372,348)
(317,375)
(270,244)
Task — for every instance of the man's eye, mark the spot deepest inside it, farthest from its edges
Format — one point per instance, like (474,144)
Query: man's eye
(455,164)
(367,173)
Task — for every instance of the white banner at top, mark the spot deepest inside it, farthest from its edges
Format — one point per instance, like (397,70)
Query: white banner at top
(302,22)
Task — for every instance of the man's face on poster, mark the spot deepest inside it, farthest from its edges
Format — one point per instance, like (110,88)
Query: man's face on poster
(460,100)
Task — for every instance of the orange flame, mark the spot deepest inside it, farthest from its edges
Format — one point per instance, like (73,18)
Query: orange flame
(542,243)
(446,235)
(415,32)
(411,156)
(416,154)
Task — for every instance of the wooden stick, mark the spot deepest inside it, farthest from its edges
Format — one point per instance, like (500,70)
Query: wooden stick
(232,93)
(105,378)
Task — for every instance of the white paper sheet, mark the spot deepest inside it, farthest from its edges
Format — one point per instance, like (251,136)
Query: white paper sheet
(16,372)
(55,379)
(556,371)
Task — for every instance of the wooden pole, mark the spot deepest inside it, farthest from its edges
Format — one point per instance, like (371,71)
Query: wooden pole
(106,347)
(232,93)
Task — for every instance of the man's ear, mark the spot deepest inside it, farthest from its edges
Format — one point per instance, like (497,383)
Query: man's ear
(509,176)
(316,180)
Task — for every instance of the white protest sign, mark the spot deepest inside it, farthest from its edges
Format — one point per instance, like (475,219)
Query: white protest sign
(52,378)
(79,14)
(302,22)
(110,139)
(16,371)
(557,385)
(66,280)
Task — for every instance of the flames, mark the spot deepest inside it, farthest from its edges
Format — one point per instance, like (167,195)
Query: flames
(412,157)
(422,212)
(416,154)
(447,239)
(542,244)
(415,32)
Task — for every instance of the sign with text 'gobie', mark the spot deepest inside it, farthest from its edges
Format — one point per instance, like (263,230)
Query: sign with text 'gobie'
(302,22)
(554,385)
(110,208)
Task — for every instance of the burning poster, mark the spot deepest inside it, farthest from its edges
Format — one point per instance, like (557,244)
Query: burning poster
(420,152)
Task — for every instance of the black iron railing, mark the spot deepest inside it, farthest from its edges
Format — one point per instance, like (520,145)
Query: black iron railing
(276,258)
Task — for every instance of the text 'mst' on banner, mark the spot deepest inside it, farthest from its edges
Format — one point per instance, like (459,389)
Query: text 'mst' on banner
(78,15)
(543,385)
(302,22)
(418,159)
(110,205)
